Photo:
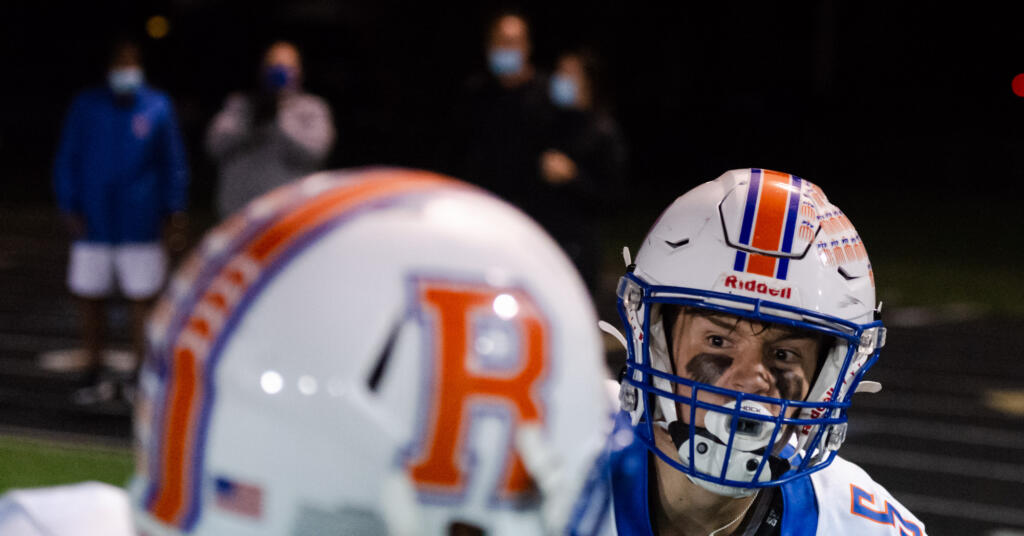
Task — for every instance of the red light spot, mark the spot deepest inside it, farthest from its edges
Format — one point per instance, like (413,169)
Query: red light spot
(1018,85)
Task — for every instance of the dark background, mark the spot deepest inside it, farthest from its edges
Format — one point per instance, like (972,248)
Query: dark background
(903,112)
(889,97)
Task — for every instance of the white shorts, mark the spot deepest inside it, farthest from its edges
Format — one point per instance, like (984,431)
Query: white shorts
(140,269)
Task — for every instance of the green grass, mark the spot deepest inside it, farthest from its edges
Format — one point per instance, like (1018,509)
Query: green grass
(32,463)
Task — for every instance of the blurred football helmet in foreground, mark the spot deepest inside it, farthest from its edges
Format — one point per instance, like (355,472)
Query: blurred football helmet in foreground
(377,351)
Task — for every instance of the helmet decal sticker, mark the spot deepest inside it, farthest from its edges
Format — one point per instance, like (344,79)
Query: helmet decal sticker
(769,223)
(474,376)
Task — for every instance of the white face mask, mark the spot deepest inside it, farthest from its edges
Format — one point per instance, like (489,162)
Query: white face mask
(505,61)
(564,91)
(125,80)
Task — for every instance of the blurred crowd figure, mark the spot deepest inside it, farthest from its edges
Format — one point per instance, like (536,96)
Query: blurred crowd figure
(504,115)
(582,166)
(121,182)
(547,144)
(271,136)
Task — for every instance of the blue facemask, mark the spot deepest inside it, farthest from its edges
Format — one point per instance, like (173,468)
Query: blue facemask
(278,77)
(563,91)
(125,80)
(505,61)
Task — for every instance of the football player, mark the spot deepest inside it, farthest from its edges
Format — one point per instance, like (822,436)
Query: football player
(751,320)
(380,351)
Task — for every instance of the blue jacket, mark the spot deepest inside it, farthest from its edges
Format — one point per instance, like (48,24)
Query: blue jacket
(121,167)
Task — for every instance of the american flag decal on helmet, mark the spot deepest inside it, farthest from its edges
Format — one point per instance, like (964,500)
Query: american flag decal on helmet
(240,498)
(769,223)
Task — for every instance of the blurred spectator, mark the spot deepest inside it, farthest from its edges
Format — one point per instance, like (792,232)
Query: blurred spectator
(271,136)
(582,168)
(121,179)
(504,114)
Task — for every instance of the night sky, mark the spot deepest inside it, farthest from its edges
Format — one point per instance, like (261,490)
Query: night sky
(896,96)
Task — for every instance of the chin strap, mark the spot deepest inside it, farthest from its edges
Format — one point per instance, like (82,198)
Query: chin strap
(680,433)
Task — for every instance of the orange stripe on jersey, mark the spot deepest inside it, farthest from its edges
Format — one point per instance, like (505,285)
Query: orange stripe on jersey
(458,387)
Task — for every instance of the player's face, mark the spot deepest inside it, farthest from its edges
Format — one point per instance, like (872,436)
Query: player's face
(733,353)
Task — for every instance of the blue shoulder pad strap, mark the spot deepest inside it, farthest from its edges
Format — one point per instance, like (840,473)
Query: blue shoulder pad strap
(627,472)
(800,506)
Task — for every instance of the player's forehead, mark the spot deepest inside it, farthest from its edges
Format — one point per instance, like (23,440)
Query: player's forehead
(695,318)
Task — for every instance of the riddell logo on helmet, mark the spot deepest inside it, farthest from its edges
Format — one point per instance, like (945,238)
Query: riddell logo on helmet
(752,285)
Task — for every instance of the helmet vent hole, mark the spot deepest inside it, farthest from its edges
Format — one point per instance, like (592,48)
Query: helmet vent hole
(702,448)
(751,465)
(846,275)
(678,243)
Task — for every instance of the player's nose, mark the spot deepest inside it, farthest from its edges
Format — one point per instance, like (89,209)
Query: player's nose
(748,372)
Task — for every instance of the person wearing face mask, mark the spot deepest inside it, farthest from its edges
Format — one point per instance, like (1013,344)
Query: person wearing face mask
(271,136)
(503,114)
(581,170)
(121,182)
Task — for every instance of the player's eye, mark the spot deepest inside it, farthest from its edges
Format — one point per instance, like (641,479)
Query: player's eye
(787,356)
(716,340)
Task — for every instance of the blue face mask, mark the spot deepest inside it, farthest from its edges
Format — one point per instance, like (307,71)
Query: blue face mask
(505,61)
(278,77)
(563,91)
(125,80)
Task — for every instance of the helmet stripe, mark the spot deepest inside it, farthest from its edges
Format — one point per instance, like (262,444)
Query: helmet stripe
(749,212)
(769,222)
(768,226)
(751,208)
(791,214)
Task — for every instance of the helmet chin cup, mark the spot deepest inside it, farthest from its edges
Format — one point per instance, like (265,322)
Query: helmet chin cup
(710,447)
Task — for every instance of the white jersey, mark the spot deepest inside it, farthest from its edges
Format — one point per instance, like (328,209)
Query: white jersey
(85,509)
(851,502)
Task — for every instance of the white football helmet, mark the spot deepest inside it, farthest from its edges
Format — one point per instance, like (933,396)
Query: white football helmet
(764,246)
(379,351)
